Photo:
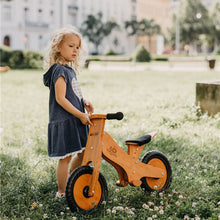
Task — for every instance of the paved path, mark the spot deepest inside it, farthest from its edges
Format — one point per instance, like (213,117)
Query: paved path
(153,66)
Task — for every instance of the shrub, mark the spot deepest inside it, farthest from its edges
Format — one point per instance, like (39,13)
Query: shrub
(20,59)
(111,52)
(142,55)
(6,53)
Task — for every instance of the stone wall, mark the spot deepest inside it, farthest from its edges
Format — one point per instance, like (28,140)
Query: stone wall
(208,96)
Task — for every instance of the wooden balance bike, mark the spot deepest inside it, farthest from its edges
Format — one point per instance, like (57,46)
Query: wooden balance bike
(86,187)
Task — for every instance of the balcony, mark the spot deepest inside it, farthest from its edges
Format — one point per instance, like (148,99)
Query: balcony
(72,9)
(30,24)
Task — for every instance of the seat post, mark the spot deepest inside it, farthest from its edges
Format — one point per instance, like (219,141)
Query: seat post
(134,150)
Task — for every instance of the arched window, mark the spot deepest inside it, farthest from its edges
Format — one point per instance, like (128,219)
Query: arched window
(6,41)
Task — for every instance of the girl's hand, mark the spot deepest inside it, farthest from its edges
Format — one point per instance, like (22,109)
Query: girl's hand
(88,106)
(85,119)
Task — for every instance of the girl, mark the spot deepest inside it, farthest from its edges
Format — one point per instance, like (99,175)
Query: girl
(68,122)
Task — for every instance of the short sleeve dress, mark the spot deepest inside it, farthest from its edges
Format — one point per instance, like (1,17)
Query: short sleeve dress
(66,133)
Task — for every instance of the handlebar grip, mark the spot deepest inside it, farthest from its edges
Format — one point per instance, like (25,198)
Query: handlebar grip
(118,116)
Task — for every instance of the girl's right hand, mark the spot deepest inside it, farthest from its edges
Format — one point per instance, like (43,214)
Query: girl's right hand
(85,119)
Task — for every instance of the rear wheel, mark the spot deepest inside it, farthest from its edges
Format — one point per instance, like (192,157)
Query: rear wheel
(77,189)
(157,159)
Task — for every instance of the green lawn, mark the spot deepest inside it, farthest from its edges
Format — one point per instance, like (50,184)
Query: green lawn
(151,101)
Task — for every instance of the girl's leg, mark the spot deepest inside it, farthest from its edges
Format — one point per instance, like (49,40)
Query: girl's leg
(76,161)
(62,173)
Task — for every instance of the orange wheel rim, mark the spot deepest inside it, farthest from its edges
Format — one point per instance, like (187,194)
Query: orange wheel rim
(157,183)
(78,193)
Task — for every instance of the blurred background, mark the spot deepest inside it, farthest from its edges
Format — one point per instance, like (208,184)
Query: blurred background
(116,27)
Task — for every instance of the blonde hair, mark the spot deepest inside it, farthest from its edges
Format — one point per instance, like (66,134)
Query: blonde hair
(53,56)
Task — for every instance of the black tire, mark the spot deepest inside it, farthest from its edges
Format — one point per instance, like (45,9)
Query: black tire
(77,190)
(156,158)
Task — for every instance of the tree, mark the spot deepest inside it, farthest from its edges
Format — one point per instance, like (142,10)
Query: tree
(96,30)
(143,28)
(194,21)
(215,28)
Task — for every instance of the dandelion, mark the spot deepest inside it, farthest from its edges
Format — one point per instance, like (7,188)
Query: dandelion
(61,213)
(161,212)
(33,206)
(145,206)
(186,217)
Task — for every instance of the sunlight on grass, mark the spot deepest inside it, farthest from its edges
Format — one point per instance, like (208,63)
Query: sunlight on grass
(151,101)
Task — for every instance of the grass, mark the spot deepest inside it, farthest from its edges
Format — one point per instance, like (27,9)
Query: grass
(161,101)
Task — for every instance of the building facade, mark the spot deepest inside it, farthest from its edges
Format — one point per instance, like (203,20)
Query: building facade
(28,24)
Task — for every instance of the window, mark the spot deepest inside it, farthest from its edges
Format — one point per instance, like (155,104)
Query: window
(6,41)
(6,13)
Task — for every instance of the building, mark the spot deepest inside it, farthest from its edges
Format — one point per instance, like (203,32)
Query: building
(150,10)
(28,24)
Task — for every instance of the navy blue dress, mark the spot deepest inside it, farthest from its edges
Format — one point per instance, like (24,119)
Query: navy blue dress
(66,133)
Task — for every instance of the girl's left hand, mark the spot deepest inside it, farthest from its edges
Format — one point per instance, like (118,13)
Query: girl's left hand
(88,106)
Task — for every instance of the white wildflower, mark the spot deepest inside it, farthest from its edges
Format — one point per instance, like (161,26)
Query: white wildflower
(154,216)
(177,203)
(145,206)
(113,211)
(108,210)
(186,217)
(194,204)
(149,218)
(61,213)
(156,208)
(180,197)
(197,217)
(161,212)
(74,218)
(45,216)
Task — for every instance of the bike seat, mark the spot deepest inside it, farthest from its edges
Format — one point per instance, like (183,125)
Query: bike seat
(141,140)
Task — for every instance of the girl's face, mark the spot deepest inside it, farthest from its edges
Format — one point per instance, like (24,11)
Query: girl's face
(69,47)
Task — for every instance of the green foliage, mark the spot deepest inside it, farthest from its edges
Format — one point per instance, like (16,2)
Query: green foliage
(111,52)
(96,30)
(20,59)
(142,55)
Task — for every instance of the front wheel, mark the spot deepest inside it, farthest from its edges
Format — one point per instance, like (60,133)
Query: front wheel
(157,159)
(77,189)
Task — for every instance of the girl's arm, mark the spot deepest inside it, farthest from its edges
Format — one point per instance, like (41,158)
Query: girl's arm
(88,106)
(60,94)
